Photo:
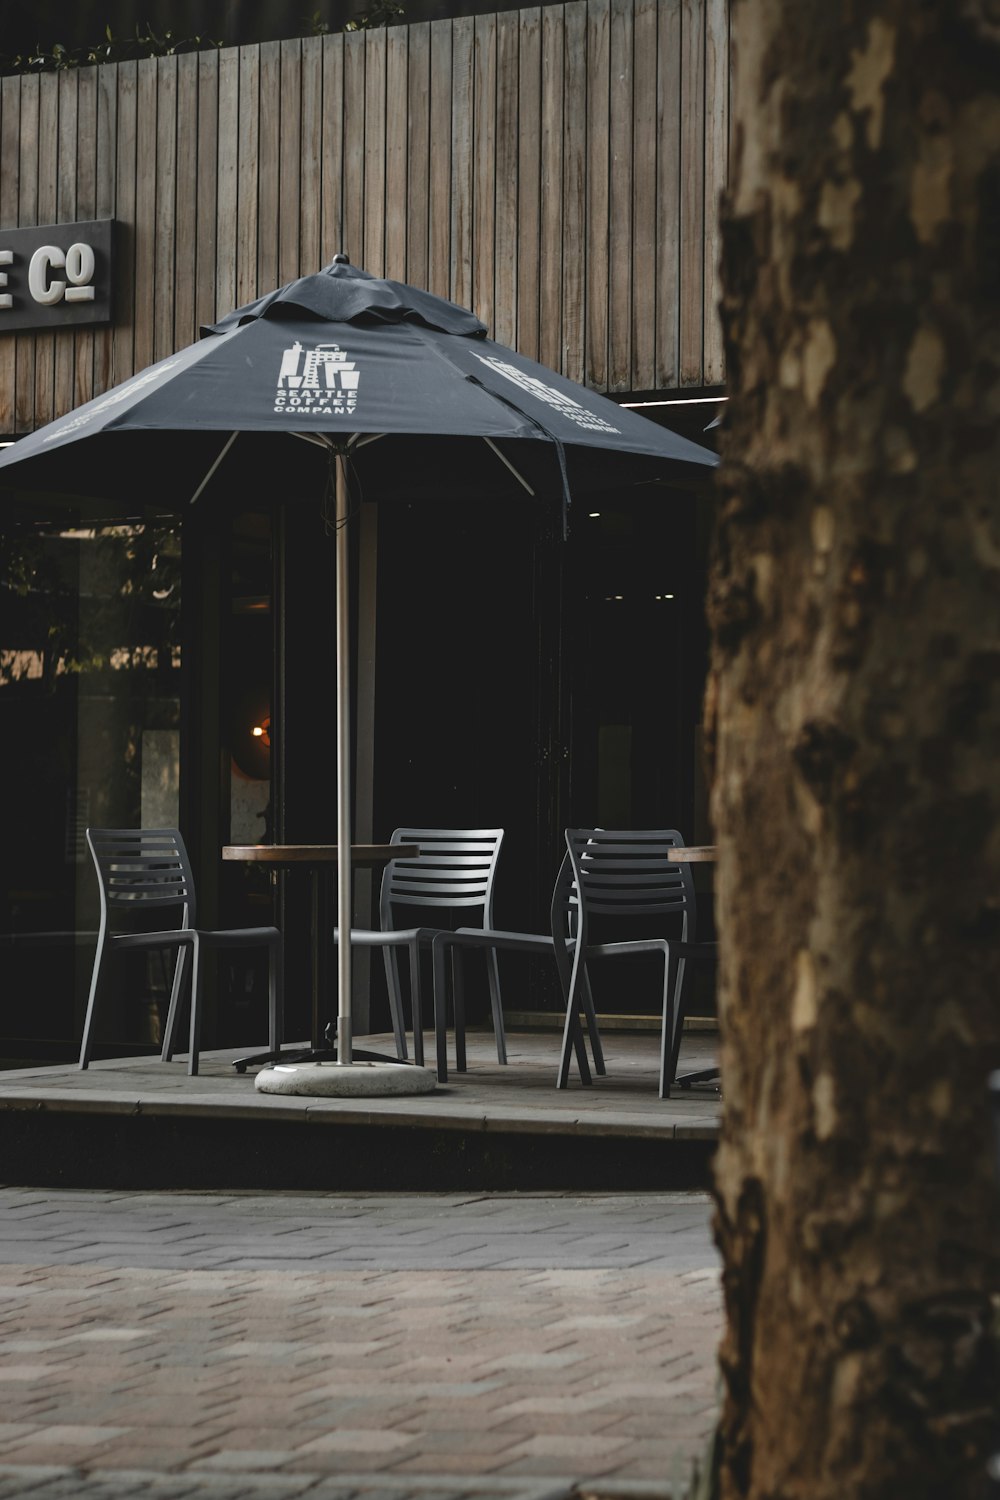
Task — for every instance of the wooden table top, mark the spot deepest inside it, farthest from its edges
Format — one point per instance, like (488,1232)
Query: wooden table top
(317,854)
(693,854)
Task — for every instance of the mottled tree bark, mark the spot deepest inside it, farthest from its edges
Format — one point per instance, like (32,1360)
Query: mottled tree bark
(855,694)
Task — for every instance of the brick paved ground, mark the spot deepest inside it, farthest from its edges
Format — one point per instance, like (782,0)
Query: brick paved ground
(194,1345)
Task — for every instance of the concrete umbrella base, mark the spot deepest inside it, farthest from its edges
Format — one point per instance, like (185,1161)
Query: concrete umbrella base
(332,1080)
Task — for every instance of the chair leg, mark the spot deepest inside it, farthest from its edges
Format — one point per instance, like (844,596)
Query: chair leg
(679,1011)
(458,1002)
(87,1045)
(391,960)
(572,1033)
(493,971)
(170,1028)
(275,996)
(194,1042)
(587,998)
(667,1066)
(416,1009)
(440,1009)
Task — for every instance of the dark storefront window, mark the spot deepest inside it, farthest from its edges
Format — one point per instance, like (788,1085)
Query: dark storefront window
(90,665)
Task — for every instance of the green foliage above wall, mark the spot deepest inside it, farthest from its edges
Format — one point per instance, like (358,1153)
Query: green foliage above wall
(147,40)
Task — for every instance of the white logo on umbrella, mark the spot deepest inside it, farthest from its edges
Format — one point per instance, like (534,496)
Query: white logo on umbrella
(320,381)
(569,408)
(114,398)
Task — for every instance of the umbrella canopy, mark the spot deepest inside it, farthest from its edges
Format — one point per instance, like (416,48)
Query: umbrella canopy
(349,358)
(344,367)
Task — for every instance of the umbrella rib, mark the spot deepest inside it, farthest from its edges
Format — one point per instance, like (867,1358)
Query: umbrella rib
(230,440)
(505,460)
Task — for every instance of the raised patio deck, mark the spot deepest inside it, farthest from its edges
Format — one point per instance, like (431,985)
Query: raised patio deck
(140,1122)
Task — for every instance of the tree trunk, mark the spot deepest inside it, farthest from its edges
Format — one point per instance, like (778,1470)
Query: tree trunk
(855,696)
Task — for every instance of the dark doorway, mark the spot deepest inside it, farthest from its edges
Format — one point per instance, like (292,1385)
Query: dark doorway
(534,683)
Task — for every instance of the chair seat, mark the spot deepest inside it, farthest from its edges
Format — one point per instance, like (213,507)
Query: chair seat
(366,937)
(496,937)
(226,937)
(649,945)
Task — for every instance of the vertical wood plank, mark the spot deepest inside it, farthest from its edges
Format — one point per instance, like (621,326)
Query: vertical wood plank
(166,207)
(268,168)
(484,167)
(418,164)
(290,184)
(207,187)
(86,208)
(186,217)
(48,148)
(439,206)
(620,199)
(10,171)
(67,84)
(65,343)
(529,180)
(375,151)
(716,170)
(574,362)
(27,211)
(550,227)
(123,335)
(248,129)
(354,146)
(462,105)
(227,184)
(145,211)
(505,237)
(598,161)
(396,118)
(643,311)
(332,206)
(310,168)
(668,189)
(106,201)
(692,194)
(107,198)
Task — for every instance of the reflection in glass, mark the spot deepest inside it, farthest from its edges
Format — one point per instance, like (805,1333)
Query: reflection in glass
(90,728)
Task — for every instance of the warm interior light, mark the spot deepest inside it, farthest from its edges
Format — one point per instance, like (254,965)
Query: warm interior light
(262,732)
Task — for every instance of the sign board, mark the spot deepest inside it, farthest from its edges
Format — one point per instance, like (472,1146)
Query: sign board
(56,276)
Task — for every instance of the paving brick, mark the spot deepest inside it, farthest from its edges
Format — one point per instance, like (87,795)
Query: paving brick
(411,1359)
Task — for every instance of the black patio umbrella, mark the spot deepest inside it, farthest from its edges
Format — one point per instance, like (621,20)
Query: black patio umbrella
(346,370)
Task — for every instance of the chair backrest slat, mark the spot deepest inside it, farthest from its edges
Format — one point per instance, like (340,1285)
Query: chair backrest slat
(624,873)
(456,868)
(143,867)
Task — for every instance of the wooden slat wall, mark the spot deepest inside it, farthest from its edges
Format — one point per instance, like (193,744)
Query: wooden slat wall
(556,168)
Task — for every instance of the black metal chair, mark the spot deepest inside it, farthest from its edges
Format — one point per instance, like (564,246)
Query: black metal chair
(146,873)
(558,943)
(625,873)
(455,870)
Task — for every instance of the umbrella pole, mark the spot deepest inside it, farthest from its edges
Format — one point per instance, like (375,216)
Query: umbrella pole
(344,986)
